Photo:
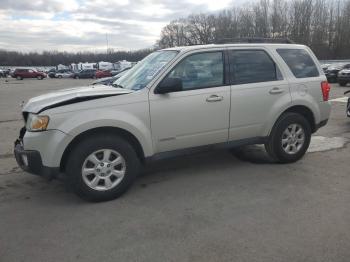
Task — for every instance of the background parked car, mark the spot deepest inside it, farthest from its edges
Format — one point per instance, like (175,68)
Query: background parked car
(116,72)
(21,73)
(333,70)
(87,73)
(103,73)
(52,72)
(109,80)
(5,72)
(325,67)
(64,73)
(344,77)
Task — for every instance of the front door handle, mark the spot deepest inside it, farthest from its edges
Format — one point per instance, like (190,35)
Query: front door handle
(276,90)
(215,98)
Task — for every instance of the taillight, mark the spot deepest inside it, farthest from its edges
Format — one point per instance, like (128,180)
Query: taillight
(326,88)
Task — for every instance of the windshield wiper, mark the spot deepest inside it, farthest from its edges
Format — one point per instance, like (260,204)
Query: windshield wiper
(117,85)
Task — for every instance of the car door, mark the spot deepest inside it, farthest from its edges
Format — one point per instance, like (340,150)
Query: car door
(86,73)
(32,73)
(199,113)
(258,92)
(28,73)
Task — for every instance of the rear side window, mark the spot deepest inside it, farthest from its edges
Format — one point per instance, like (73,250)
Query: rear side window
(252,66)
(299,62)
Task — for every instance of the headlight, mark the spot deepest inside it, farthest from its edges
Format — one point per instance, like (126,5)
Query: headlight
(37,123)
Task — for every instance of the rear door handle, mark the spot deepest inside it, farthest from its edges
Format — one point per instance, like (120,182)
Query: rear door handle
(214,98)
(276,90)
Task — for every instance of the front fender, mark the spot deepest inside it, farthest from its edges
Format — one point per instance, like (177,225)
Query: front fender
(75,123)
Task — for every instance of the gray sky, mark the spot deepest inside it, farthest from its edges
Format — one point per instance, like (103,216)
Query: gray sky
(82,25)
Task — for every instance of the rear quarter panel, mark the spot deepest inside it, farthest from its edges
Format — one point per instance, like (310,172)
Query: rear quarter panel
(306,91)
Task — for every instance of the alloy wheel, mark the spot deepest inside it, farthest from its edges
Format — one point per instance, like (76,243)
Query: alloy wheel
(293,139)
(103,169)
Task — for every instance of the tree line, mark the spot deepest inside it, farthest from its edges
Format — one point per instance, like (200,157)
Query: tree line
(324,25)
(53,58)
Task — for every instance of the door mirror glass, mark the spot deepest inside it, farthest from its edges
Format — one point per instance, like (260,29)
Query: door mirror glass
(169,85)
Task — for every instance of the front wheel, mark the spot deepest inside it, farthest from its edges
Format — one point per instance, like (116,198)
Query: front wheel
(102,168)
(289,139)
(19,78)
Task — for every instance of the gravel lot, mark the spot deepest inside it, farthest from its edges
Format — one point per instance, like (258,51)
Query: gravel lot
(212,206)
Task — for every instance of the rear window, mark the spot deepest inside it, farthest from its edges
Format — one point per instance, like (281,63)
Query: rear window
(299,62)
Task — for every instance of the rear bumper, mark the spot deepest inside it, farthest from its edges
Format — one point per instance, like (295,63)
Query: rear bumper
(30,161)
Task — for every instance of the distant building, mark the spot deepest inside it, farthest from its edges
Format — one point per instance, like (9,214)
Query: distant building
(105,66)
(121,65)
(118,66)
(60,67)
(82,66)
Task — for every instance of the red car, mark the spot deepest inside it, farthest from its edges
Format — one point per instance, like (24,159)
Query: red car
(103,73)
(28,73)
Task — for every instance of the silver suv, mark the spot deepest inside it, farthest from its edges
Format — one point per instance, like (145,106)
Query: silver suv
(174,100)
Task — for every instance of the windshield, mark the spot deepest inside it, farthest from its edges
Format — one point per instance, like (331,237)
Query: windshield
(143,72)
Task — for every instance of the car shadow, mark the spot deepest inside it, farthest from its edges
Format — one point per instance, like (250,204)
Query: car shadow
(255,154)
(195,164)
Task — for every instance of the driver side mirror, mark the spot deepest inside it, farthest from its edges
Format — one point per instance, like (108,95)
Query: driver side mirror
(169,85)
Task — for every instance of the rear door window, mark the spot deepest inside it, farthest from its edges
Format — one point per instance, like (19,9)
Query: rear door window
(252,66)
(299,62)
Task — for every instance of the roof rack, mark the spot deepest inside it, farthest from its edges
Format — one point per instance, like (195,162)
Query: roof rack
(254,40)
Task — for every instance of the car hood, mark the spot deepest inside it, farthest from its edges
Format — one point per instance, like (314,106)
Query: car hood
(70,96)
(104,79)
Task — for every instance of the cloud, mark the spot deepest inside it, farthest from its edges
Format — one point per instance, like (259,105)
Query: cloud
(73,25)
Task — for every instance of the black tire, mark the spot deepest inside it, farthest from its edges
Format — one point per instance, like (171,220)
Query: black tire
(40,77)
(342,83)
(86,147)
(274,144)
(59,76)
(19,78)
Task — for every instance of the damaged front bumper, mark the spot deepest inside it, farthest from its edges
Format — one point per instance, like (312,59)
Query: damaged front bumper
(30,161)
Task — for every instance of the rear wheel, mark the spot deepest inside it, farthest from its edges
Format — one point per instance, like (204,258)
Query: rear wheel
(289,139)
(40,77)
(19,78)
(102,168)
(59,76)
